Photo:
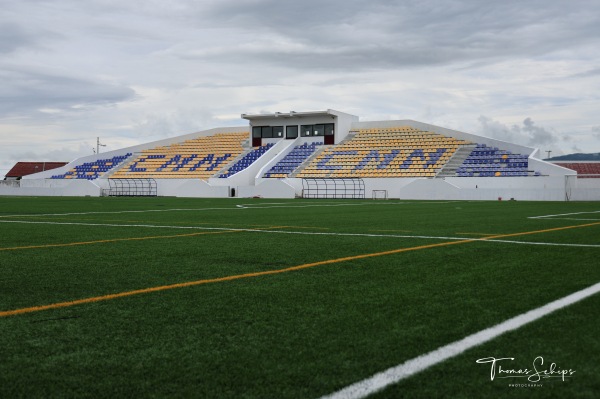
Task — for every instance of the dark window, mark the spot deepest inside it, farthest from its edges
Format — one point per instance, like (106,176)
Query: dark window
(267,132)
(329,129)
(307,130)
(256,131)
(319,130)
(277,131)
(291,132)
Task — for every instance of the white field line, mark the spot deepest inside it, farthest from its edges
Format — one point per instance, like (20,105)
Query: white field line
(550,244)
(153,226)
(283,205)
(236,207)
(576,219)
(395,374)
(112,212)
(563,214)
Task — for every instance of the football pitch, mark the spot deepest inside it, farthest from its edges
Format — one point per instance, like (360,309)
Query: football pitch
(258,298)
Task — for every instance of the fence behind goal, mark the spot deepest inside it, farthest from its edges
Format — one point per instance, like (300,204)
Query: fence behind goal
(380,194)
(333,188)
(582,187)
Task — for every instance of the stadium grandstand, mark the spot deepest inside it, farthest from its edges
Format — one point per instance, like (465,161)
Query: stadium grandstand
(322,154)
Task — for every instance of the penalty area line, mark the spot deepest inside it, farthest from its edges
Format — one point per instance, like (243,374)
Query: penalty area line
(413,366)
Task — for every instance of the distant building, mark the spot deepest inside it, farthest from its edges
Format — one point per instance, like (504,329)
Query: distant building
(583,169)
(28,168)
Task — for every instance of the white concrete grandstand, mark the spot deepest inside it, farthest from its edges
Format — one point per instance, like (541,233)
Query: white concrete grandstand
(323,154)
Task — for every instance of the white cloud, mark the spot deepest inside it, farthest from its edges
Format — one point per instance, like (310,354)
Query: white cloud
(526,133)
(136,71)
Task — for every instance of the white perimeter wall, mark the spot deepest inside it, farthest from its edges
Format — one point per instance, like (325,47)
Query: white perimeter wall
(542,188)
(52,188)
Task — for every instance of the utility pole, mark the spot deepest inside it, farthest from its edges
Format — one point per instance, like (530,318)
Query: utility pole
(98,145)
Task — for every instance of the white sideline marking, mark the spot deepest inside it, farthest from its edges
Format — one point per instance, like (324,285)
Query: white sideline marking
(550,244)
(576,219)
(236,207)
(284,205)
(231,229)
(395,374)
(154,226)
(563,214)
(111,212)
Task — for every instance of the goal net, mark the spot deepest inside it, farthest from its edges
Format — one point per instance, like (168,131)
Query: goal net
(380,194)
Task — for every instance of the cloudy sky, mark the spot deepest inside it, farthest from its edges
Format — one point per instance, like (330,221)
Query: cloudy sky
(133,71)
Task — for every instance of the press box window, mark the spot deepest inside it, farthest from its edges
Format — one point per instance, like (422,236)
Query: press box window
(267,132)
(319,130)
(307,130)
(291,132)
(256,131)
(277,131)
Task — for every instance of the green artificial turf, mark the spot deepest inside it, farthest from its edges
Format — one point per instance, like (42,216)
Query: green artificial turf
(298,334)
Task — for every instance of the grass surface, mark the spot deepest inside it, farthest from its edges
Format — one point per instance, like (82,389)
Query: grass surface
(301,333)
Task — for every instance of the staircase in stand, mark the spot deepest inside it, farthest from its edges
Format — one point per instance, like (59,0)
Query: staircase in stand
(455,161)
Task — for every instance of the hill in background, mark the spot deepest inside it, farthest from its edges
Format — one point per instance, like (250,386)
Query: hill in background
(576,157)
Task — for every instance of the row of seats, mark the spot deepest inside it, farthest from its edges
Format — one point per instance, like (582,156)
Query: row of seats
(494,174)
(93,170)
(380,153)
(486,161)
(390,152)
(246,161)
(197,158)
(292,160)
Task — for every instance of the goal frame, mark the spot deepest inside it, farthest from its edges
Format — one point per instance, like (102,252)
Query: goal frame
(379,194)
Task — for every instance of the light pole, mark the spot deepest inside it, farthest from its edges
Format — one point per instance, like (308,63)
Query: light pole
(548,151)
(98,145)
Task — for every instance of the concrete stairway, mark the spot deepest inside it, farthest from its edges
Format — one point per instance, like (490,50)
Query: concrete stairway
(455,161)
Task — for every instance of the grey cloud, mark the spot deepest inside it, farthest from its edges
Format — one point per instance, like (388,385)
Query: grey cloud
(576,149)
(13,37)
(587,74)
(62,154)
(388,34)
(596,132)
(537,135)
(175,122)
(23,92)
(496,130)
(528,133)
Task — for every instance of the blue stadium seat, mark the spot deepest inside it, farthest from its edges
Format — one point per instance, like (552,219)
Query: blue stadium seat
(93,170)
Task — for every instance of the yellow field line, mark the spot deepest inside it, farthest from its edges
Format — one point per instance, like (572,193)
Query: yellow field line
(71,244)
(268,272)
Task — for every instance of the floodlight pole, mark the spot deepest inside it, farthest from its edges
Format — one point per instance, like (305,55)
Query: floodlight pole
(548,151)
(98,145)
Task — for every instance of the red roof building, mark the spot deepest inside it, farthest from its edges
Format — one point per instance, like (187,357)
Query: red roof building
(583,169)
(28,168)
